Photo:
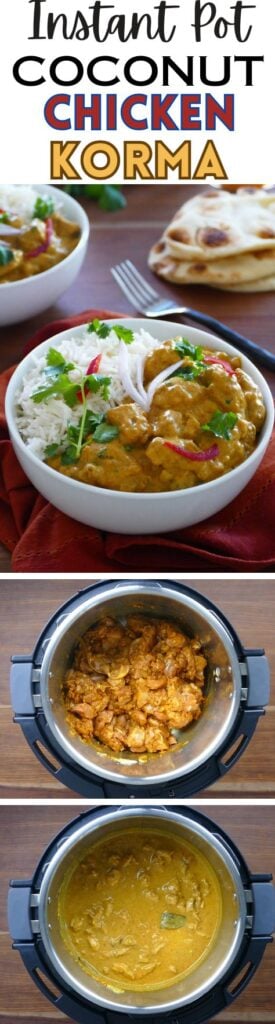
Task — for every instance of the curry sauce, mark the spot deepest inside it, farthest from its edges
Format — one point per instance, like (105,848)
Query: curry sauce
(140,911)
(203,421)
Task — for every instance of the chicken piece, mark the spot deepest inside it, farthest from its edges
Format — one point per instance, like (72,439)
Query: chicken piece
(111,729)
(226,391)
(82,726)
(132,423)
(33,236)
(157,737)
(168,423)
(150,667)
(183,704)
(254,404)
(84,710)
(64,227)
(107,465)
(162,357)
(177,396)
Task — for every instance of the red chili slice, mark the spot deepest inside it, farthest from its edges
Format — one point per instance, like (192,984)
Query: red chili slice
(92,368)
(94,365)
(209,453)
(44,245)
(220,362)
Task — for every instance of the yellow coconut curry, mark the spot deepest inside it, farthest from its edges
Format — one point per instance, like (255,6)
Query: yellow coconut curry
(134,684)
(197,415)
(140,911)
(40,244)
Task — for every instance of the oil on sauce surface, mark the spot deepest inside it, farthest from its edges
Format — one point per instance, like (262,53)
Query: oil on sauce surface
(140,912)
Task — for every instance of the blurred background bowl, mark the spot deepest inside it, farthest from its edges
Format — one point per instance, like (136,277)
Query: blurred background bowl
(20,300)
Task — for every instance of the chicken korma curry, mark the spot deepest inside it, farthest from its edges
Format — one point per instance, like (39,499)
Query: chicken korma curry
(195,417)
(140,911)
(134,684)
(114,408)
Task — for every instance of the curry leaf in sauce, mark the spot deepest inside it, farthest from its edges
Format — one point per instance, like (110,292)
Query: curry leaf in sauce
(172,920)
(221,424)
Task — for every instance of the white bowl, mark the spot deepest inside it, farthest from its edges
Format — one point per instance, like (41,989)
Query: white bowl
(22,299)
(124,512)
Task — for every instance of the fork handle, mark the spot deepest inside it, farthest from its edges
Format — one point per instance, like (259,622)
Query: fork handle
(261,355)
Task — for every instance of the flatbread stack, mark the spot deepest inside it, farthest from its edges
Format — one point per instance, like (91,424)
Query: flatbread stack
(221,239)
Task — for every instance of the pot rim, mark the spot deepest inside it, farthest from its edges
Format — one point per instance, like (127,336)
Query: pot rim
(150,588)
(121,814)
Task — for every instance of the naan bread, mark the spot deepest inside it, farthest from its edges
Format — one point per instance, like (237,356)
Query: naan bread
(265,284)
(223,273)
(217,224)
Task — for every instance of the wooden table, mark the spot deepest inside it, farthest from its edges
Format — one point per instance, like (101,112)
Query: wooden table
(26,831)
(26,607)
(130,233)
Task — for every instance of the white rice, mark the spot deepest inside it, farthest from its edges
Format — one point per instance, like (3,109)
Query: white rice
(20,200)
(47,422)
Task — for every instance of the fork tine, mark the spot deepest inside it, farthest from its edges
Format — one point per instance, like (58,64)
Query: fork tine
(152,294)
(136,288)
(125,288)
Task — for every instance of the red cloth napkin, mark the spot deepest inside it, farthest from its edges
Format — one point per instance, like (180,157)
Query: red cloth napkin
(241,538)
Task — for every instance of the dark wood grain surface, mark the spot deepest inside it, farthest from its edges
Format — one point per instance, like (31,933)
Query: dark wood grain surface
(25,608)
(130,233)
(26,831)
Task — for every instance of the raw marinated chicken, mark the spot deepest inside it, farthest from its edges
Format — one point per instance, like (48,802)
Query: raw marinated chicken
(132,684)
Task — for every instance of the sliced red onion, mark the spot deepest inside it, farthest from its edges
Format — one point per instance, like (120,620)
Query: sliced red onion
(126,379)
(220,362)
(206,456)
(44,245)
(161,377)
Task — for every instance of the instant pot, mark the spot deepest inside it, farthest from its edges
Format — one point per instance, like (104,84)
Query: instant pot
(247,923)
(237,689)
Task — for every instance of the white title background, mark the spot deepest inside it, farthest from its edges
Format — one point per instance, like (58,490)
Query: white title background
(247,153)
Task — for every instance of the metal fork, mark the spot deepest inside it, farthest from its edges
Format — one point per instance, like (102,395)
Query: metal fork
(146,300)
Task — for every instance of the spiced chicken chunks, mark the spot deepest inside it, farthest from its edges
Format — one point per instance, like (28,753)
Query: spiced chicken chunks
(131,685)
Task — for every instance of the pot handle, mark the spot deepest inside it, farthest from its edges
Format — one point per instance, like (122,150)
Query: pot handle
(245,970)
(18,911)
(48,986)
(21,684)
(258,677)
(263,893)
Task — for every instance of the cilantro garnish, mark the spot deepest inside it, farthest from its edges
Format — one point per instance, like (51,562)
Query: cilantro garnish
(105,432)
(58,383)
(103,331)
(96,382)
(43,208)
(6,255)
(3,218)
(185,348)
(221,424)
(189,372)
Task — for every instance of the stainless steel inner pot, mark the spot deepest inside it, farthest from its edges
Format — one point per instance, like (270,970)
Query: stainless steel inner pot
(229,937)
(199,741)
